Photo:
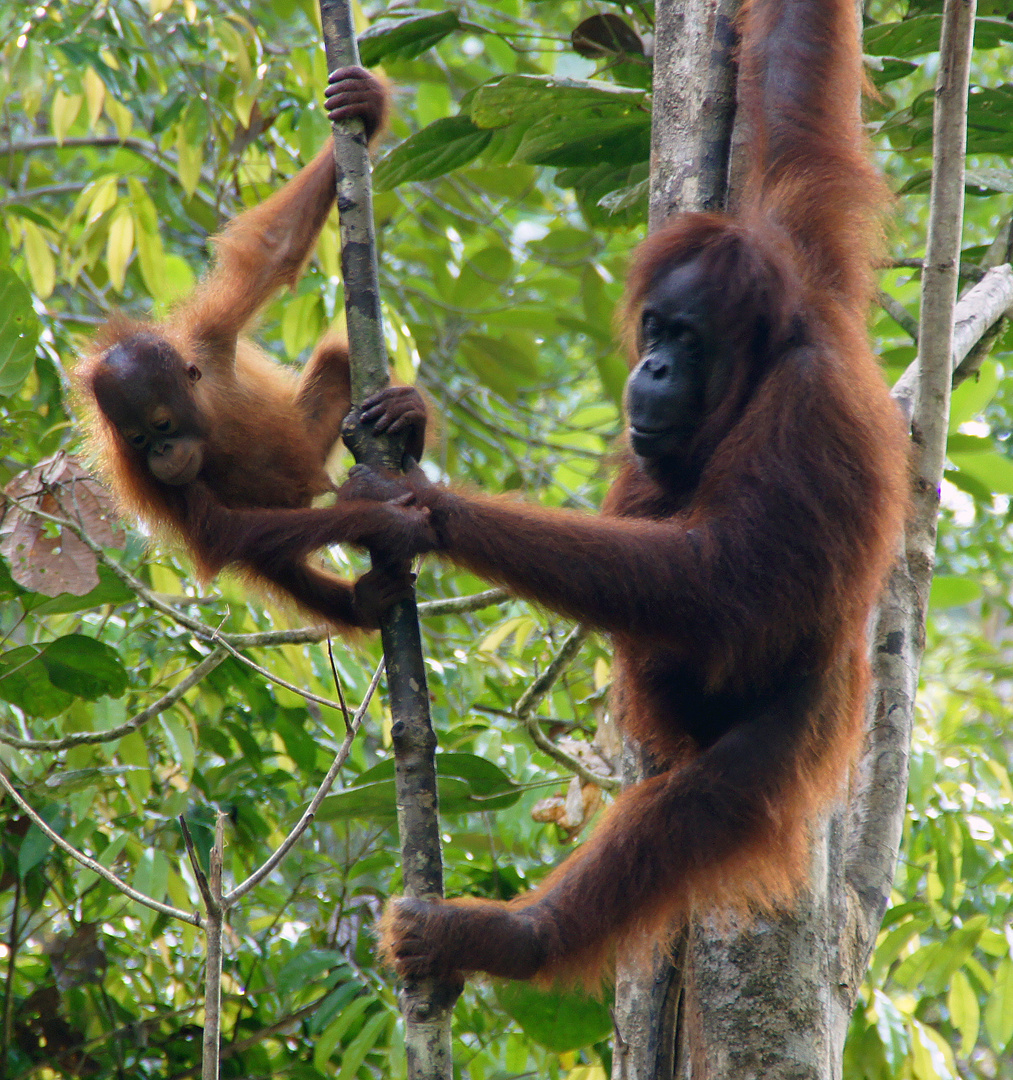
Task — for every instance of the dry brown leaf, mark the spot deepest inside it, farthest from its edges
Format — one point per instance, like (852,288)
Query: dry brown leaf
(45,557)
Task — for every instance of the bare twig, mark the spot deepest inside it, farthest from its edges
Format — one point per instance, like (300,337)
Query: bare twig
(271,677)
(198,871)
(310,812)
(900,315)
(975,314)
(213,965)
(337,686)
(526,703)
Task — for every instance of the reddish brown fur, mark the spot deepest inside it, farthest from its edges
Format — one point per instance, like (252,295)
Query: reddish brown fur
(265,434)
(737,590)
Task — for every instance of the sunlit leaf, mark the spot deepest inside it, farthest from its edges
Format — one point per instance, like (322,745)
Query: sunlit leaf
(64,112)
(120,246)
(999,1010)
(41,264)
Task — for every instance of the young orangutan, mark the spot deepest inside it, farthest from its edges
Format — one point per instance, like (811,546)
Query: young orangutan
(201,433)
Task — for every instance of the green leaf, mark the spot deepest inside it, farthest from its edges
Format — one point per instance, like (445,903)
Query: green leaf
(986,181)
(85,667)
(527,99)
(405,35)
(949,591)
(972,395)
(19,332)
(965,1015)
(892,1031)
(958,443)
(991,469)
(24,682)
(482,275)
(559,1021)
(889,68)
(593,137)
(443,146)
(34,848)
(304,968)
(999,1010)
(367,1039)
(325,1044)
(909,37)
(499,364)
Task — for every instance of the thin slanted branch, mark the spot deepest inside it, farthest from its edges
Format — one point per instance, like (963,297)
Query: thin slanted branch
(138,720)
(426,1005)
(191,917)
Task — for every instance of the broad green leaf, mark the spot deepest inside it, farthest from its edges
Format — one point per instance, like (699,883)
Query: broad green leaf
(527,99)
(481,276)
(371,1035)
(931,1058)
(24,682)
(94,92)
(405,34)
(910,37)
(306,967)
(120,246)
(121,117)
(591,138)
(41,265)
(85,667)
(325,1043)
(302,323)
(19,332)
(559,1021)
(892,1030)
(63,113)
(972,395)
(999,1009)
(965,1015)
(99,196)
(441,147)
(466,783)
(950,591)
(502,366)
(887,69)
(34,847)
(990,181)
(151,874)
(133,750)
(148,238)
(959,443)
(991,469)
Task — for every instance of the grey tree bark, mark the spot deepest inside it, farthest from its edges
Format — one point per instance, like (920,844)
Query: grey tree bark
(773,999)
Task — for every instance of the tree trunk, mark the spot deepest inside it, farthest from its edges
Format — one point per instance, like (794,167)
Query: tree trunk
(773,999)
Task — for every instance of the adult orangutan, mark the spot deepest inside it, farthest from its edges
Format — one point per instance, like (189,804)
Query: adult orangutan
(739,551)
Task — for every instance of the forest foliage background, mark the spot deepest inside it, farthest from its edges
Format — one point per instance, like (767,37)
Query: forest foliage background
(506,205)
